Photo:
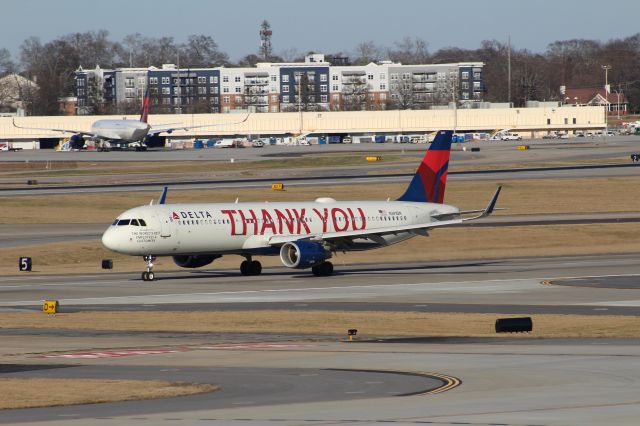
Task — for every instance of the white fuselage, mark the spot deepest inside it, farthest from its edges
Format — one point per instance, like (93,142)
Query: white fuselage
(124,130)
(185,229)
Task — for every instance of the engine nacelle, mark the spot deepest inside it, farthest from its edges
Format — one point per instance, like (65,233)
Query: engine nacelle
(194,261)
(303,254)
(76,142)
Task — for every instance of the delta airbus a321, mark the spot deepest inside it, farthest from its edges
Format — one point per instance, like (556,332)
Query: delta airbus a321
(304,234)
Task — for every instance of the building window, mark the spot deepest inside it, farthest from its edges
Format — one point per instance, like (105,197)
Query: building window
(394,76)
(202,90)
(202,80)
(274,98)
(237,79)
(213,79)
(323,77)
(334,87)
(383,96)
(383,86)
(476,76)
(166,90)
(226,99)
(80,82)
(476,84)
(238,89)
(334,77)
(323,98)
(226,109)
(575,121)
(285,78)
(383,76)
(142,81)
(225,78)
(153,80)
(225,89)
(274,108)
(80,92)
(406,76)
(238,99)
(312,98)
(214,90)
(285,99)
(465,95)
(465,85)
(335,98)
(215,100)
(465,75)
(166,80)
(166,101)
(285,89)
(369,76)
(274,78)
(323,87)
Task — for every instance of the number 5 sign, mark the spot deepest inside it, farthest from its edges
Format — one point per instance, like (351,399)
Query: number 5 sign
(25,264)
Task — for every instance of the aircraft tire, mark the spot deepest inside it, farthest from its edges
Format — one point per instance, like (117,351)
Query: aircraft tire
(255,268)
(150,276)
(323,270)
(245,267)
(145,276)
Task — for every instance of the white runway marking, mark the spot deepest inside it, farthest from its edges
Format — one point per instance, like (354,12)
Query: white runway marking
(313,293)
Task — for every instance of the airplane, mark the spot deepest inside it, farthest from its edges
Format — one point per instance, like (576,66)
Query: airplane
(123,131)
(304,234)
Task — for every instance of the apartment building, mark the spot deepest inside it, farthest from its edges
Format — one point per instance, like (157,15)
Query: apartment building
(312,85)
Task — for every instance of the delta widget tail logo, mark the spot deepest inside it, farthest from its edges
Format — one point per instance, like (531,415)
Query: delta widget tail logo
(144,113)
(428,184)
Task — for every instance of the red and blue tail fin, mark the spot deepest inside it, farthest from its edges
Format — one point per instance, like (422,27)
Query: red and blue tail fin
(427,185)
(144,113)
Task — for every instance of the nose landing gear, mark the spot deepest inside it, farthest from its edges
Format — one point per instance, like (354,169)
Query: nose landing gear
(148,274)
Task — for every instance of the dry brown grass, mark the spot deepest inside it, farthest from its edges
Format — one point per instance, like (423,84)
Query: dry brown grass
(37,392)
(368,323)
(451,243)
(531,196)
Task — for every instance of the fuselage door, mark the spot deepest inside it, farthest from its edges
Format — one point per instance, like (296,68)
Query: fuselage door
(165,225)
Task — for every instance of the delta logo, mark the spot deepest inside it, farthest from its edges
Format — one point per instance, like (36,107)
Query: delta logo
(191,215)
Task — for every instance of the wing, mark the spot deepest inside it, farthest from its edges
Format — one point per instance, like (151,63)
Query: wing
(168,128)
(419,229)
(79,132)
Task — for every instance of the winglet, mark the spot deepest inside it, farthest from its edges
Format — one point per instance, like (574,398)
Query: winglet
(489,209)
(492,204)
(163,197)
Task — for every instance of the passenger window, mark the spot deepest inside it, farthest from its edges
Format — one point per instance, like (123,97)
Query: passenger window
(124,222)
(142,222)
(134,222)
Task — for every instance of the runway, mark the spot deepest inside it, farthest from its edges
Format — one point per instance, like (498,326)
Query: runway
(299,379)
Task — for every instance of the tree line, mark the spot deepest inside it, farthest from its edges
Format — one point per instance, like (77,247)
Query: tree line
(533,76)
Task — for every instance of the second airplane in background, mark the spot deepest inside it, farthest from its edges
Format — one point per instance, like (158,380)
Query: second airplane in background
(123,131)
(304,234)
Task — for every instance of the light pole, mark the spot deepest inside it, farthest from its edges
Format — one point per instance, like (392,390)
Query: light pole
(606,69)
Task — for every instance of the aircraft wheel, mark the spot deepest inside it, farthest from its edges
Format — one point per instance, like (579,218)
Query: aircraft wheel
(323,270)
(245,267)
(145,276)
(150,276)
(255,268)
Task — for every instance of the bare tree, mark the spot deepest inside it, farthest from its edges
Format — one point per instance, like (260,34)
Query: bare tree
(367,52)
(409,51)
(202,51)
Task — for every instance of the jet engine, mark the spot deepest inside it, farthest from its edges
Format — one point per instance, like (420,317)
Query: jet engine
(194,261)
(76,142)
(303,254)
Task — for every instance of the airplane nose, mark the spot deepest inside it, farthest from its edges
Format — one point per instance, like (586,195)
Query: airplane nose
(109,240)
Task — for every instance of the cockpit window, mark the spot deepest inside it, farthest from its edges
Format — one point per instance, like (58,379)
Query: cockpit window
(142,222)
(134,222)
(124,222)
(115,222)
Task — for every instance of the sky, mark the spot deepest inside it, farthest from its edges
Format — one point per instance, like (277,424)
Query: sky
(327,26)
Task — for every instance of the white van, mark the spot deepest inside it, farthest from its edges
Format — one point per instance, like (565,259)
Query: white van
(511,137)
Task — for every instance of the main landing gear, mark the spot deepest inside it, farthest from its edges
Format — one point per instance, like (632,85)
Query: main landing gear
(148,274)
(322,270)
(250,267)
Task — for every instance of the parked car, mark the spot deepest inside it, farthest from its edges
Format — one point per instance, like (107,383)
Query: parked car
(257,143)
